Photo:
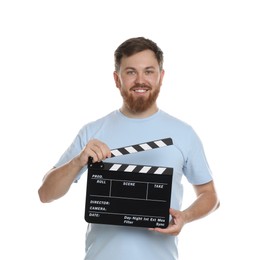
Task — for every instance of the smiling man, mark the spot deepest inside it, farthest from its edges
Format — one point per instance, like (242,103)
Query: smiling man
(138,75)
(139,83)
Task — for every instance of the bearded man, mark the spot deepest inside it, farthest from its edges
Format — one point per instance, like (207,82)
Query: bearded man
(138,75)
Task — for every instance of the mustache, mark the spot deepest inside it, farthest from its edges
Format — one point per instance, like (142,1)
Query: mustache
(138,85)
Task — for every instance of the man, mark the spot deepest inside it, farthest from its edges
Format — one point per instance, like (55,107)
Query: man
(138,75)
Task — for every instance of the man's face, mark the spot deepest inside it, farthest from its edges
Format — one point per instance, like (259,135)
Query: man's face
(139,80)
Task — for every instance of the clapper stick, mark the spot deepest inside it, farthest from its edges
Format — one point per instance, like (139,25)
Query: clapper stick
(134,149)
(141,147)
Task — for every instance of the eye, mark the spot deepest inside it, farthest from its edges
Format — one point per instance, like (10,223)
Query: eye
(148,72)
(130,72)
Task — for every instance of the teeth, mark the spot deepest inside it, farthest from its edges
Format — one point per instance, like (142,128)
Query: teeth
(140,90)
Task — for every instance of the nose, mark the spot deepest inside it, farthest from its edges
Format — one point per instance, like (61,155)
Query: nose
(140,78)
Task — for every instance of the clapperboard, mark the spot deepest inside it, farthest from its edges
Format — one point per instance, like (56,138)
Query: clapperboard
(128,194)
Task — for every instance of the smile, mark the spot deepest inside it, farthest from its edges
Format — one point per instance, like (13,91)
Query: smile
(140,90)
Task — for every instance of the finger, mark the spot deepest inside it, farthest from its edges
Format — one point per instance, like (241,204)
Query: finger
(106,153)
(99,151)
(172,212)
(96,154)
(90,152)
(167,231)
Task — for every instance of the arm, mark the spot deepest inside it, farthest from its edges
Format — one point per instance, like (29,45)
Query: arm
(206,202)
(57,181)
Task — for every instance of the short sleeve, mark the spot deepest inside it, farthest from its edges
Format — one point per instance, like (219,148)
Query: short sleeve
(73,150)
(196,168)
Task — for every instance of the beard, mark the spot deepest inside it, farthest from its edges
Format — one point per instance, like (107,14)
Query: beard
(139,104)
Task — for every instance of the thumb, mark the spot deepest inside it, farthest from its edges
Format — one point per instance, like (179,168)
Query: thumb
(173,212)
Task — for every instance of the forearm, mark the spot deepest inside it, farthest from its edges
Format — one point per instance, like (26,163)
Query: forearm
(205,203)
(57,181)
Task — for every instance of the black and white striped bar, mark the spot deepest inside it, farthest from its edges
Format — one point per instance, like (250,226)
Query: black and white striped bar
(141,147)
(136,168)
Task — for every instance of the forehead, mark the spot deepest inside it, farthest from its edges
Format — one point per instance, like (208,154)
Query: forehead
(141,59)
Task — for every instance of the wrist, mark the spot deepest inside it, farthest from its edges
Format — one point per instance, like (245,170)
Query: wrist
(186,216)
(76,164)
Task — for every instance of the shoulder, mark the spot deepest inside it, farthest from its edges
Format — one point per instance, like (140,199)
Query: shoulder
(183,133)
(100,121)
(90,128)
(175,122)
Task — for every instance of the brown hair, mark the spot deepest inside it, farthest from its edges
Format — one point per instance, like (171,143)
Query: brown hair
(135,45)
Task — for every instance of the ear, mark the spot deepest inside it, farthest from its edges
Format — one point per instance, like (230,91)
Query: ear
(116,79)
(162,75)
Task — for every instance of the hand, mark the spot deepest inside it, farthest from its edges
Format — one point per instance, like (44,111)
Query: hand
(176,224)
(96,149)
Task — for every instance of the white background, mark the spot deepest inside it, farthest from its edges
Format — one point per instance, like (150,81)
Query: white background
(56,65)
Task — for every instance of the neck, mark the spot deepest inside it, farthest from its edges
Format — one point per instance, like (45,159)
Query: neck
(131,114)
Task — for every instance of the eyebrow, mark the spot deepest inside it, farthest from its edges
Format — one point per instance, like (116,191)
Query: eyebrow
(132,68)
